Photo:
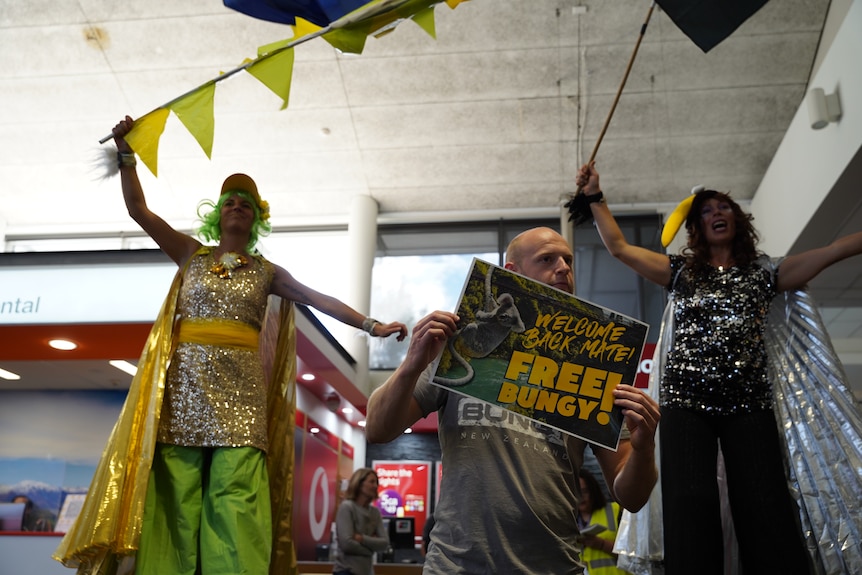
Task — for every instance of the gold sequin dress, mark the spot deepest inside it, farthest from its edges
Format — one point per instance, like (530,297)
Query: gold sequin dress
(215,393)
(105,535)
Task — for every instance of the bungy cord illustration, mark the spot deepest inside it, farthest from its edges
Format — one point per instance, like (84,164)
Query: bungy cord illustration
(482,336)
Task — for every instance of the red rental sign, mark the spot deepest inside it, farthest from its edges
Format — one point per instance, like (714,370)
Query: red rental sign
(405,488)
(315,496)
(645,366)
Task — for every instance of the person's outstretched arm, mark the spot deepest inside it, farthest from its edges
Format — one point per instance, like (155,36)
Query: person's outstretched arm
(797,270)
(392,407)
(177,245)
(651,265)
(286,286)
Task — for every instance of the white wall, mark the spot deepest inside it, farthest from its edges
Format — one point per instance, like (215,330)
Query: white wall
(808,162)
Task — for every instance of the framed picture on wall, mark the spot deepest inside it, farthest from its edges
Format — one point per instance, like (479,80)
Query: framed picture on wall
(69,511)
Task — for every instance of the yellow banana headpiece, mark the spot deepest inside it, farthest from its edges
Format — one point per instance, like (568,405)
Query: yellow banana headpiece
(677,217)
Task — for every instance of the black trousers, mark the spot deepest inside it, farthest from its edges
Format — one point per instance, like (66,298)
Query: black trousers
(765,516)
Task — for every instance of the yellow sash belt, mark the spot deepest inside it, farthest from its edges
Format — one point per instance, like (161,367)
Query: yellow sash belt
(218,332)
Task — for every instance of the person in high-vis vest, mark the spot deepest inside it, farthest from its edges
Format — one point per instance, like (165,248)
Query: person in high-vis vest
(598,520)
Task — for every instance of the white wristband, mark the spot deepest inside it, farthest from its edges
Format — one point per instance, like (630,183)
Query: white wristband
(368,325)
(126,159)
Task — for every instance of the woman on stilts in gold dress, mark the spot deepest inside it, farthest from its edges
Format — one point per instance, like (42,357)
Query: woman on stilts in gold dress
(197,474)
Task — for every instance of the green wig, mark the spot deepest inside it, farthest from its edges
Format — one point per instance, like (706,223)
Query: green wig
(210,228)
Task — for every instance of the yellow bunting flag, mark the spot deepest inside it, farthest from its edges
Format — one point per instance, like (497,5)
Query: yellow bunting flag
(385,22)
(273,67)
(275,71)
(144,137)
(303,28)
(195,111)
(425,20)
(349,41)
(267,49)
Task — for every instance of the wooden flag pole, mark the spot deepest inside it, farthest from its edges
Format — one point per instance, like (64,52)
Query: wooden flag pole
(372,9)
(229,73)
(622,85)
(578,208)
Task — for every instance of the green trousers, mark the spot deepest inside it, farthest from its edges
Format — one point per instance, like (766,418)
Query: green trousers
(207,512)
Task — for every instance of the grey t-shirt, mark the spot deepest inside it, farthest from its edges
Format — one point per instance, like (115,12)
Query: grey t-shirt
(509,492)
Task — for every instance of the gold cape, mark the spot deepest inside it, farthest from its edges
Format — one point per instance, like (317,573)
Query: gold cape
(104,537)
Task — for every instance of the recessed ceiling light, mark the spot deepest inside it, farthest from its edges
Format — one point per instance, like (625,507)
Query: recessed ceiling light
(63,344)
(124,365)
(307,377)
(361,423)
(408,430)
(314,430)
(347,410)
(9,375)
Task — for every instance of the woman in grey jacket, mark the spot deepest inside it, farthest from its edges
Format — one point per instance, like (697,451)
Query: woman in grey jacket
(359,526)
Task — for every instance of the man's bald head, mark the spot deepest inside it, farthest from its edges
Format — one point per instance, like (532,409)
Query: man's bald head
(544,255)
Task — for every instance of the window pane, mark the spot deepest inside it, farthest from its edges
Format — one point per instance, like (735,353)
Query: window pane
(408,288)
(315,259)
(602,279)
(421,268)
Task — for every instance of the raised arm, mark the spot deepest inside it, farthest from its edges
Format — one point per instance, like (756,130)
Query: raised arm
(649,264)
(286,286)
(392,407)
(177,245)
(797,270)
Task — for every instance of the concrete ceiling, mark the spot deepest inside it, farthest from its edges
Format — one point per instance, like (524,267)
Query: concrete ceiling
(496,114)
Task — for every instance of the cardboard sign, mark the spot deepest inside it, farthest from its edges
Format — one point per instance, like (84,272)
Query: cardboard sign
(542,353)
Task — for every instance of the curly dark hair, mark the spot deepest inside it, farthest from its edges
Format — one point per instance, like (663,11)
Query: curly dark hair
(697,251)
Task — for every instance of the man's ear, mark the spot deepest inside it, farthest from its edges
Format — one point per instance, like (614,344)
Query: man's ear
(510,266)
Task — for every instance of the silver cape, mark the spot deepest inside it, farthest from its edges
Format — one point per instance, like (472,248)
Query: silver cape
(822,441)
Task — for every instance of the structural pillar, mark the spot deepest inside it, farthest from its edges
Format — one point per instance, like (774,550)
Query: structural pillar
(362,239)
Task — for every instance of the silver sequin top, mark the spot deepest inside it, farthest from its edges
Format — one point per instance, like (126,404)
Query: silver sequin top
(216,395)
(717,363)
